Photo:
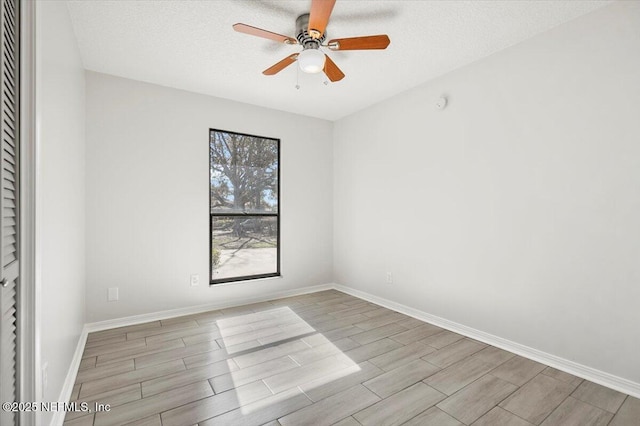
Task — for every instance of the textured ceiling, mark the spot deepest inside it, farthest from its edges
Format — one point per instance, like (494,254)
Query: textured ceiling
(190,45)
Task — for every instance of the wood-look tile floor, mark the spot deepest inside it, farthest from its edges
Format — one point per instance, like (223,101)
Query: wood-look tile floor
(321,359)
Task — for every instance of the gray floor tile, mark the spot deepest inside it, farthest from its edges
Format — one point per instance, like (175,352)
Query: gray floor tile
(116,397)
(399,378)
(453,353)
(359,309)
(433,417)
(267,354)
(194,339)
(334,323)
(208,316)
(154,331)
(178,353)
(378,333)
(309,355)
(98,335)
(349,421)
(538,398)
(75,392)
(442,339)
(86,420)
(116,347)
(498,416)
(341,333)
(456,376)
(271,334)
(246,315)
(599,396)
(205,358)
(240,377)
(147,421)
(410,322)
(562,376)
(146,407)
(573,412)
(112,398)
(493,355)
(205,408)
(124,379)
(282,320)
(87,363)
(131,353)
(400,356)
(378,312)
(332,409)
(288,332)
(400,407)
(307,373)
(372,350)
(417,333)
(262,411)
(518,370)
(106,341)
(105,371)
(210,329)
(330,384)
(379,321)
(473,401)
(182,378)
(628,414)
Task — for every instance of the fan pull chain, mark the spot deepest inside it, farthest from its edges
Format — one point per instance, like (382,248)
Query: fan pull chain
(297,78)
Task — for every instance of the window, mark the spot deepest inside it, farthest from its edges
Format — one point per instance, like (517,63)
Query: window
(244,180)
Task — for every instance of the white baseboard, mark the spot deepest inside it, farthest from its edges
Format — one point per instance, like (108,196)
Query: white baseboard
(597,376)
(70,380)
(155,316)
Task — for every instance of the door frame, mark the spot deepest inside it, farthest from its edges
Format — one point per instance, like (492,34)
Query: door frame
(29,380)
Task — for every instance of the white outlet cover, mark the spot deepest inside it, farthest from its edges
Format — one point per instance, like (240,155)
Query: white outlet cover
(112,294)
(195,280)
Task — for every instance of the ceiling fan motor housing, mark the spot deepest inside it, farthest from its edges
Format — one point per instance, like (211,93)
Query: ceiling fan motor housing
(304,37)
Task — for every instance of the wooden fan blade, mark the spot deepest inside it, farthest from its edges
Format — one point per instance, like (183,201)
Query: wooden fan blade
(319,16)
(360,43)
(275,69)
(258,32)
(331,70)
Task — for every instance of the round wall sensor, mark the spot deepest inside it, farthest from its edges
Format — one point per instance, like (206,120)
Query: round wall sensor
(441,103)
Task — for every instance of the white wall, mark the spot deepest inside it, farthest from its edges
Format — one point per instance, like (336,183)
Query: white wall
(147,196)
(61,192)
(516,210)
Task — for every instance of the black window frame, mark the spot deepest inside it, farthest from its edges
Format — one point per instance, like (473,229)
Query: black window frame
(277,214)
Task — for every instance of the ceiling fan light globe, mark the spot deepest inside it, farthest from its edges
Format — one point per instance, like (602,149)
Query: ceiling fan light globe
(311,61)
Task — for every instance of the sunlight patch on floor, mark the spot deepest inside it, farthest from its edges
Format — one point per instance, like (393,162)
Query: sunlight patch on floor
(281,350)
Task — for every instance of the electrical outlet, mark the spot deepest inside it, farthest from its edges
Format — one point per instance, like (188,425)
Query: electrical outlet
(112,294)
(389,278)
(45,377)
(195,280)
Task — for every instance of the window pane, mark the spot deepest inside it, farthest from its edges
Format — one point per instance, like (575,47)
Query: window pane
(243,246)
(243,173)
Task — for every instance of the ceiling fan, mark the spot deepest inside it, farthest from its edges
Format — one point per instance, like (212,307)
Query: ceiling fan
(310,34)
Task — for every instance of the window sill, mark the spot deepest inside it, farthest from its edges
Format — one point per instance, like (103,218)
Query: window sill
(244,280)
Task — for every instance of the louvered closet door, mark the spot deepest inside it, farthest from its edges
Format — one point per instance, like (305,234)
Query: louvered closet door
(9,207)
